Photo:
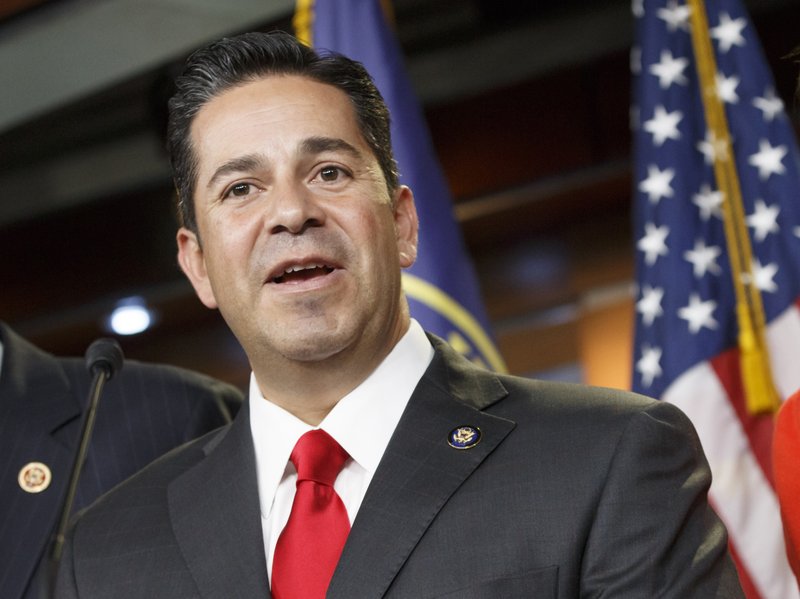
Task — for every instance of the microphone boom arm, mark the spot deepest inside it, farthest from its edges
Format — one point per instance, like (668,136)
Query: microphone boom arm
(103,359)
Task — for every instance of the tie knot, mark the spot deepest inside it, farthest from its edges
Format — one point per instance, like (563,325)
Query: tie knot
(318,457)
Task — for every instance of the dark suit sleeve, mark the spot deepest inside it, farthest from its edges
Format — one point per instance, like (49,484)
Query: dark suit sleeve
(146,411)
(654,534)
(64,585)
(214,403)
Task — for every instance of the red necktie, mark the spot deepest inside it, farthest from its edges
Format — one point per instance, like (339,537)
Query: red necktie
(309,547)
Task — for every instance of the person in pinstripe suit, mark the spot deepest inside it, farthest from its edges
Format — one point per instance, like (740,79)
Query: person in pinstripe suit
(145,411)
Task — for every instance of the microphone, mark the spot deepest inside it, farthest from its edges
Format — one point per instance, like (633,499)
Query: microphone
(104,354)
(104,358)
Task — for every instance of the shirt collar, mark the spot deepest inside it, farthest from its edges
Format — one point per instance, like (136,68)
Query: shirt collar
(362,422)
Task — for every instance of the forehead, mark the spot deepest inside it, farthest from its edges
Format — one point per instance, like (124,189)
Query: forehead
(276,109)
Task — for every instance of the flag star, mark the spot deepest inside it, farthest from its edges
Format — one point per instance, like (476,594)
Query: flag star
(726,88)
(653,243)
(709,202)
(657,184)
(796,231)
(637,8)
(771,105)
(676,16)
(669,70)
(764,220)
(768,159)
(664,125)
(713,148)
(650,304)
(703,258)
(729,32)
(648,365)
(699,314)
(764,276)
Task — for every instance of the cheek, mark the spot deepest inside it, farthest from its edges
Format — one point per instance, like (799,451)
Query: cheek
(231,236)
(383,252)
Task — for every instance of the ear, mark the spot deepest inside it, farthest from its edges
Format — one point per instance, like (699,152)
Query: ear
(193,264)
(406,225)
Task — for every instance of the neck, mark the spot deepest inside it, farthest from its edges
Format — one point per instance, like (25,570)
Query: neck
(310,390)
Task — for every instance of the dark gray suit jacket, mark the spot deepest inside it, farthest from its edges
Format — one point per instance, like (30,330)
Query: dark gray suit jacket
(571,492)
(145,411)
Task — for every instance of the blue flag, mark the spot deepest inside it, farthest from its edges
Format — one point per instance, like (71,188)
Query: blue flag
(441,287)
(686,345)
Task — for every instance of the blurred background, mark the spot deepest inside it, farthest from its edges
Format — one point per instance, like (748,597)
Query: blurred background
(527,103)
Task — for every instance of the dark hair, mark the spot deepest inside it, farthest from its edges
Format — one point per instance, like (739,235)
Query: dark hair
(230,62)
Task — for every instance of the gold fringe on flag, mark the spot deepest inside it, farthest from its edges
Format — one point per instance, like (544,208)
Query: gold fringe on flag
(760,393)
(303,19)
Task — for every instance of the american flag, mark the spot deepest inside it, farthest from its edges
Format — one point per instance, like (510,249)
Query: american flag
(685,349)
(442,287)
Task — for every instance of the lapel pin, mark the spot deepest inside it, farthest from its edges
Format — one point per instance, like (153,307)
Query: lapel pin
(34,477)
(464,437)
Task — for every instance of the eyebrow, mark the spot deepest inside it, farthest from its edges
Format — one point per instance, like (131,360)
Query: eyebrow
(318,145)
(310,146)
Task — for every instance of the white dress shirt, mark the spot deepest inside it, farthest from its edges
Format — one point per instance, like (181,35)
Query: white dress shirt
(362,422)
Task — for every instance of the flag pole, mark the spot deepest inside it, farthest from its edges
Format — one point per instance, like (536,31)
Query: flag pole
(303,21)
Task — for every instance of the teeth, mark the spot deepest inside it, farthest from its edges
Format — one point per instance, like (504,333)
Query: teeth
(292,269)
(297,268)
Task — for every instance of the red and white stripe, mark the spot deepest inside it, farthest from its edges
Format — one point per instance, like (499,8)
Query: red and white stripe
(738,449)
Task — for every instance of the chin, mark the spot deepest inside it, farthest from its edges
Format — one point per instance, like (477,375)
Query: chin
(314,346)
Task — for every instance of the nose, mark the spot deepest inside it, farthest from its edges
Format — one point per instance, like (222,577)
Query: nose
(293,209)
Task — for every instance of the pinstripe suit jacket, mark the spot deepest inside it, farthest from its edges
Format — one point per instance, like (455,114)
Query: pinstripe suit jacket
(145,411)
(571,492)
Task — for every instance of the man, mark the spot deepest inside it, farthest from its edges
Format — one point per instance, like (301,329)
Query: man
(145,411)
(455,482)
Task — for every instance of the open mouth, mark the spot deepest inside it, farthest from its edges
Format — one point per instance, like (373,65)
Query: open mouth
(296,274)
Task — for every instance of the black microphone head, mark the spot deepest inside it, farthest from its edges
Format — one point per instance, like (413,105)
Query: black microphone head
(105,354)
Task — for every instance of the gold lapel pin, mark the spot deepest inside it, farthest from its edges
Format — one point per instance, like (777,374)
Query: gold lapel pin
(34,477)
(464,437)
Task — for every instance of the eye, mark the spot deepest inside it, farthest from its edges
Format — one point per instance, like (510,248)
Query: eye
(330,173)
(239,190)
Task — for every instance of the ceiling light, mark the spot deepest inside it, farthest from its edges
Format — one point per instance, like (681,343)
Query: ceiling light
(130,317)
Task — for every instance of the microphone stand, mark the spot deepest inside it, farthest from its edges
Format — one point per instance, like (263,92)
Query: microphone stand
(104,357)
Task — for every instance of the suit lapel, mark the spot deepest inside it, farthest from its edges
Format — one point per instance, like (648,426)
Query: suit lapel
(418,473)
(33,382)
(216,517)
(39,422)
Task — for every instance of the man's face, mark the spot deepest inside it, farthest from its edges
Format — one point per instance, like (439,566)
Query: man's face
(300,245)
